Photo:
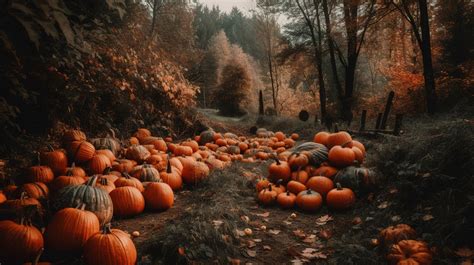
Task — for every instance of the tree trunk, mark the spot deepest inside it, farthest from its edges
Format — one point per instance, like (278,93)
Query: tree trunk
(153,19)
(428,72)
(350,20)
(332,57)
(270,67)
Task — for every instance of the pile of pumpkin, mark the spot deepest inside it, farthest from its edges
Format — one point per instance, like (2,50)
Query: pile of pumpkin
(401,246)
(325,170)
(80,188)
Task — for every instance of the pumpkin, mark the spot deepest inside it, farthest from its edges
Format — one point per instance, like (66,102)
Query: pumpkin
(321,138)
(98,164)
(80,151)
(394,234)
(182,150)
(133,140)
(107,153)
(206,136)
(157,142)
(158,196)
(356,178)
(215,163)
(316,153)
(300,176)
(110,247)
(107,143)
(75,171)
(95,199)
(128,201)
(295,136)
(359,156)
(298,160)
(3,197)
(309,200)
(36,261)
(286,200)
(39,174)
(341,138)
(69,229)
(56,160)
(19,242)
(221,142)
(124,165)
(142,133)
(176,163)
(410,252)
(110,175)
(295,187)
(191,143)
(277,187)
(320,184)
(36,190)
(262,183)
(139,153)
(128,181)
(193,171)
(267,196)
(172,177)
(243,147)
(146,173)
(340,198)
(233,150)
(341,156)
(279,170)
(17,205)
(326,171)
(64,181)
(73,135)
(280,136)
(357,144)
(105,184)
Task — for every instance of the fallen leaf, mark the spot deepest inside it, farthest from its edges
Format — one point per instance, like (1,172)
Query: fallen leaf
(251,253)
(427,217)
(245,218)
(287,222)
(267,247)
(311,253)
(396,218)
(299,233)
(325,234)
(310,239)
(323,219)
(217,222)
(265,214)
(258,240)
(464,252)
(251,244)
(274,231)
(357,220)
(383,205)
(393,190)
(296,262)
(240,232)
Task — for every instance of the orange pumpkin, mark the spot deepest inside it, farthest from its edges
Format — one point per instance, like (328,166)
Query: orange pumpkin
(107,153)
(267,196)
(300,176)
(262,183)
(123,165)
(280,136)
(56,160)
(172,177)
(69,229)
(341,156)
(340,198)
(142,133)
(394,234)
(158,196)
(295,187)
(105,184)
(182,150)
(309,200)
(340,138)
(39,174)
(295,136)
(320,184)
(80,151)
(75,171)
(321,138)
(73,135)
(286,200)
(19,242)
(410,252)
(191,143)
(298,160)
(359,156)
(110,247)
(326,171)
(36,190)
(279,170)
(128,181)
(98,164)
(128,201)
(357,144)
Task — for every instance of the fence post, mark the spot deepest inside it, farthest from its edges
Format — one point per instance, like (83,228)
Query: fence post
(377,123)
(386,112)
(362,120)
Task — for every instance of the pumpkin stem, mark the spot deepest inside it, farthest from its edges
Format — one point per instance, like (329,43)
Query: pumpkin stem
(287,193)
(308,191)
(92,181)
(112,132)
(338,186)
(126,175)
(106,229)
(168,165)
(107,171)
(270,187)
(38,256)
(50,147)
(81,206)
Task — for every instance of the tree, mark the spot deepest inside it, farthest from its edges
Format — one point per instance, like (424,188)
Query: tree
(421,29)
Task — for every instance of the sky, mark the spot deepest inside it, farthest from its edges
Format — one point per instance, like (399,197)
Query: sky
(227,5)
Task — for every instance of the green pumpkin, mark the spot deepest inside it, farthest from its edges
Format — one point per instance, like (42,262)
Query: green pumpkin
(357,179)
(107,143)
(95,199)
(317,153)
(146,173)
(206,136)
